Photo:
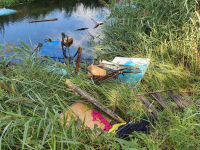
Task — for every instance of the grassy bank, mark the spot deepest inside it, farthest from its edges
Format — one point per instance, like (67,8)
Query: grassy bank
(167,32)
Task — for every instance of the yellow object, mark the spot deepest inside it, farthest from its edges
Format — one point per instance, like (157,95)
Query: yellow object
(64,41)
(115,127)
(96,71)
(12,87)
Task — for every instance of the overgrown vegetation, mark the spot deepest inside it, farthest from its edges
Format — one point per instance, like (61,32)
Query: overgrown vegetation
(12,2)
(32,97)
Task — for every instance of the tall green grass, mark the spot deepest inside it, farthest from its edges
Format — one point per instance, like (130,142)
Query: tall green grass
(168,33)
(32,97)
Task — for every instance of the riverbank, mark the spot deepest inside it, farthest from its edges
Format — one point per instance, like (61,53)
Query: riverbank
(166,32)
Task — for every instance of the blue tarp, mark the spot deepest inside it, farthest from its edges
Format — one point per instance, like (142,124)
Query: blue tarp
(5,11)
(54,49)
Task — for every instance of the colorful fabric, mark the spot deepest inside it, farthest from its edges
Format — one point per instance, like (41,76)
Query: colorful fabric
(127,129)
(97,116)
(115,127)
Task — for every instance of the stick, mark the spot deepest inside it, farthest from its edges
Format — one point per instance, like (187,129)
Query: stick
(53,19)
(155,92)
(94,101)
(78,60)
(89,33)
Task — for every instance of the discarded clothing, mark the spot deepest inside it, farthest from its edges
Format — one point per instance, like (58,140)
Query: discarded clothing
(115,127)
(128,128)
(98,116)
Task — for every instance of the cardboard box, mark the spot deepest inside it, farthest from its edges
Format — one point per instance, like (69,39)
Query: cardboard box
(84,113)
(96,71)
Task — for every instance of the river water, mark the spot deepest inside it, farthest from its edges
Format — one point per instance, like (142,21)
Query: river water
(71,14)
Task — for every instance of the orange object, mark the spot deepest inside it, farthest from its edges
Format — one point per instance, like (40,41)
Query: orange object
(96,71)
(64,41)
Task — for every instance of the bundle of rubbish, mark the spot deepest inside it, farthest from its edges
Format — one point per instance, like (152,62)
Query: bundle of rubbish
(61,51)
(127,70)
(94,119)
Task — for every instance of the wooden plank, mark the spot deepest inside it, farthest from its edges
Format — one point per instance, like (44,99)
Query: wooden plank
(149,106)
(161,100)
(52,19)
(177,101)
(186,96)
(94,101)
(155,92)
(181,100)
(164,101)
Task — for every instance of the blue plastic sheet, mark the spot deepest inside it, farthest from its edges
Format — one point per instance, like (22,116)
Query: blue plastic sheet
(54,49)
(7,11)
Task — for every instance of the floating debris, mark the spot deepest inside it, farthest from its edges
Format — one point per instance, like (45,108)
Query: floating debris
(81,29)
(5,11)
(43,20)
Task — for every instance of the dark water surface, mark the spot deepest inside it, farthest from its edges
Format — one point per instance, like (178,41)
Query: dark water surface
(71,14)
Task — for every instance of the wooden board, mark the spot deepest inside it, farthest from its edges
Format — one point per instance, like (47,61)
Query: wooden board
(84,113)
(182,102)
(43,20)
(149,106)
(186,96)
(176,99)
(161,100)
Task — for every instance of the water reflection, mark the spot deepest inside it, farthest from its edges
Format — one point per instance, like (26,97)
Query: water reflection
(71,14)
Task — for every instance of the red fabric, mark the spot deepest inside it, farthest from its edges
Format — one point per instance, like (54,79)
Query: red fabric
(97,116)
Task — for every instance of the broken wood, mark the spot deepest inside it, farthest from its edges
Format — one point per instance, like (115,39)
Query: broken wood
(81,29)
(96,23)
(94,101)
(43,20)
(177,101)
(78,60)
(155,92)
(182,101)
(187,98)
(149,106)
(161,100)
(89,33)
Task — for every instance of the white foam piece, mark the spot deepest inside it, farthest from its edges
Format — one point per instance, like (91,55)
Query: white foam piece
(124,60)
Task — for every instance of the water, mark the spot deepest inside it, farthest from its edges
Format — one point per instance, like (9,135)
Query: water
(71,14)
